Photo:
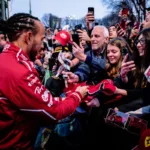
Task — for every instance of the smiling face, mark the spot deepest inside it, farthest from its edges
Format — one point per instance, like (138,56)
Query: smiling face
(98,40)
(113,54)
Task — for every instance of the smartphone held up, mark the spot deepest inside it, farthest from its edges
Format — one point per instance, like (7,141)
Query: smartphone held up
(91,14)
(90,17)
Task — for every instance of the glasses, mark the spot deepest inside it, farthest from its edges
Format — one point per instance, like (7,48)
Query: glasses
(141,41)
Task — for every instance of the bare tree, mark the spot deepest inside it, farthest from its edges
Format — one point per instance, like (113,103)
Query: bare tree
(45,20)
(110,19)
(138,6)
(52,21)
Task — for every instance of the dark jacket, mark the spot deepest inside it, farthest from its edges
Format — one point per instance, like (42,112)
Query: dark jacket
(93,69)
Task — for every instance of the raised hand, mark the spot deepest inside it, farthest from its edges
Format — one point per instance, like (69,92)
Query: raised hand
(121,33)
(89,18)
(83,35)
(71,77)
(93,103)
(126,67)
(78,52)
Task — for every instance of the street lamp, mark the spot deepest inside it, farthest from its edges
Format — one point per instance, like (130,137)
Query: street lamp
(9,6)
(30,10)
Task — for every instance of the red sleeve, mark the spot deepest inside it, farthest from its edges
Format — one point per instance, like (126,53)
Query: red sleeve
(32,97)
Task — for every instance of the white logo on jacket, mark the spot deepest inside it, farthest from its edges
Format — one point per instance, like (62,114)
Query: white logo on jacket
(38,90)
(46,96)
(33,81)
(30,76)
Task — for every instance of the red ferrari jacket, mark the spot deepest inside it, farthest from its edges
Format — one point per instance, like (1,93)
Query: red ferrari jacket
(25,102)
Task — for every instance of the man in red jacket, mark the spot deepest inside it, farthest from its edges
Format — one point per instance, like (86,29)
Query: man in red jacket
(24,101)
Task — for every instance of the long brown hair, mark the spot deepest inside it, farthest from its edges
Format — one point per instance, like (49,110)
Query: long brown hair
(114,70)
(142,62)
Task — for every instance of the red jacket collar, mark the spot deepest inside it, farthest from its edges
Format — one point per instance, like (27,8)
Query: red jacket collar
(21,55)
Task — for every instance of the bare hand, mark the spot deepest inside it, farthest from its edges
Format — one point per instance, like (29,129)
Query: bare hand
(78,52)
(38,62)
(121,33)
(82,90)
(89,18)
(126,67)
(116,109)
(134,32)
(83,35)
(71,77)
(93,103)
(67,55)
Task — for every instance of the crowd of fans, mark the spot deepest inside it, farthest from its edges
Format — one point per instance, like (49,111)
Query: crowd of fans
(57,86)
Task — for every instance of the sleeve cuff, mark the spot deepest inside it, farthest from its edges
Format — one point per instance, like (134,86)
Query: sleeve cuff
(78,95)
(79,77)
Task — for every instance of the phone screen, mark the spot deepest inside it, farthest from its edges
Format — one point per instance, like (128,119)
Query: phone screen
(78,27)
(75,38)
(91,10)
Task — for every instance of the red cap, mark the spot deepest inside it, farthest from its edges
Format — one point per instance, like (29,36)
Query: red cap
(63,37)
(144,143)
(125,11)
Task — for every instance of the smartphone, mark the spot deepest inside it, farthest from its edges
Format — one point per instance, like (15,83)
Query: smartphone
(78,27)
(91,20)
(91,10)
(75,38)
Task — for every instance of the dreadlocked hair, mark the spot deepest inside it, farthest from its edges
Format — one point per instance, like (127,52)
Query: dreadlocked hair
(17,24)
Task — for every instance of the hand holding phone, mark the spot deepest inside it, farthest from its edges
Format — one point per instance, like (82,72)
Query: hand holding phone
(91,10)
(117,26)
(90,18)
